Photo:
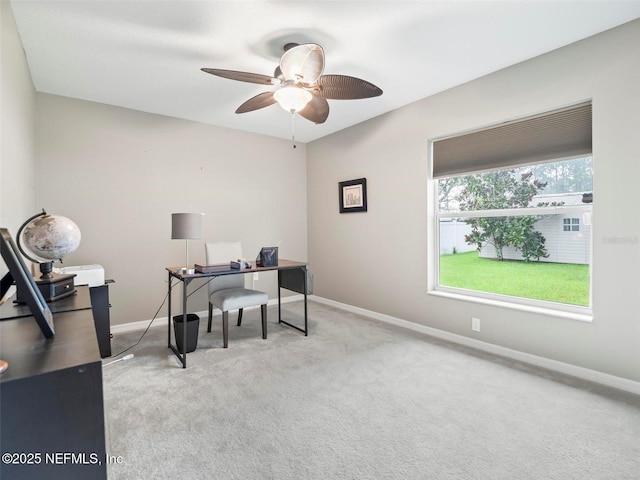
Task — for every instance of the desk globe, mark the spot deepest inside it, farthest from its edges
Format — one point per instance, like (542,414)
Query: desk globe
(51,237)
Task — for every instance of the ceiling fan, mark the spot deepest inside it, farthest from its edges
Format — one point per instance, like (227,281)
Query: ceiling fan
(301,87)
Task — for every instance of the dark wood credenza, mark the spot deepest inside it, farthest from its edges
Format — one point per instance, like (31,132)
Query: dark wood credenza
(51,397)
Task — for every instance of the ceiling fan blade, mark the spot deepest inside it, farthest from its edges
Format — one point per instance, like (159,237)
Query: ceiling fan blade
(316,111)
(240,76)
(343,87)
(303,63)
(261,100)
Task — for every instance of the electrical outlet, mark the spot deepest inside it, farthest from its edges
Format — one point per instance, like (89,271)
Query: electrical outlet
(255,275)
(475,324)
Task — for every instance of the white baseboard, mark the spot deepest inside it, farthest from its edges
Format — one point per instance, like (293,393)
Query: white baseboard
(566,368)
(162,321)
(561,367)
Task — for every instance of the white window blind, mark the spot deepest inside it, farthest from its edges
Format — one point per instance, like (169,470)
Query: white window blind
(558,134)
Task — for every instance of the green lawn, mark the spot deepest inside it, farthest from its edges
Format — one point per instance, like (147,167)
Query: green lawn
(554,282)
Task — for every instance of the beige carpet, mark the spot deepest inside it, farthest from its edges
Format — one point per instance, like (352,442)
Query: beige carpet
(356,399)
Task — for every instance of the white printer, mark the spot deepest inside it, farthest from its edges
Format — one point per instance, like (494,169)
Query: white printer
(92,275)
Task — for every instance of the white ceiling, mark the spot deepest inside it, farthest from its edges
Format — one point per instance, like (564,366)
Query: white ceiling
(146,55)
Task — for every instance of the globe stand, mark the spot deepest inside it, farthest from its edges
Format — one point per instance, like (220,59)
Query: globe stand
(46,269)
(52,286)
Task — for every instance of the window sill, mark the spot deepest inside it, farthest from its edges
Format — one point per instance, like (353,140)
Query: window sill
(552,312)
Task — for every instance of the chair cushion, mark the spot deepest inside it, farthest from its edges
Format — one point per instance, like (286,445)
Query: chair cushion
(236,298)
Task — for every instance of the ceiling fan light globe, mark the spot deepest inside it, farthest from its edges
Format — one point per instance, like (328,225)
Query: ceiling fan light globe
(292,99)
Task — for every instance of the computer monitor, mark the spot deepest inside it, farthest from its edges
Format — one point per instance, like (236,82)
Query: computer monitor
(20,274)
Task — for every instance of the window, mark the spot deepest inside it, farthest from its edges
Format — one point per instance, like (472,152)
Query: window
(571,224)
(510,228)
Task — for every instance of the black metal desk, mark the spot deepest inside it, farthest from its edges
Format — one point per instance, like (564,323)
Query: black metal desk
(291,276)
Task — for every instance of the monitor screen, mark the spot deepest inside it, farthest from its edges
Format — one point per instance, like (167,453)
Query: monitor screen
(25,283)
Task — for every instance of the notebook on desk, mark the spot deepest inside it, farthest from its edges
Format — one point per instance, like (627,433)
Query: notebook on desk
(218,267)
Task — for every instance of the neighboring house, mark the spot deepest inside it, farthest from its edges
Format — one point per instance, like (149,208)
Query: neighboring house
(452,234)
(568,236)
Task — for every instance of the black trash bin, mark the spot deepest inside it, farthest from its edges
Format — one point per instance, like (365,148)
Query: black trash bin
(193,324)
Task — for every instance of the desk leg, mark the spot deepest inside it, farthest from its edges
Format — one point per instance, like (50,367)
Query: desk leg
(100,306)
(306,328)
(185,283)
(169,310)
(279,301)
(182,356)
(295,288)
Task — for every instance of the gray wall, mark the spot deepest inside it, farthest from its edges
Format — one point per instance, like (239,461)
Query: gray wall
(379,260)
(119,174)
(17,129)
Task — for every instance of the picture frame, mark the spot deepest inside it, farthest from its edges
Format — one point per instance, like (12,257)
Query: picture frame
(353,195)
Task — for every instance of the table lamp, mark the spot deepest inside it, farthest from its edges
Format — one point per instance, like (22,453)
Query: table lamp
(183,227)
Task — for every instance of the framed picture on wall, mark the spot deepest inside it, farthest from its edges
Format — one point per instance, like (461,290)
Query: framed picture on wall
(353,195)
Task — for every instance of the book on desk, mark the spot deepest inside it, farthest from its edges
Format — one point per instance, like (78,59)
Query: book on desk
(222,267)
(219,267)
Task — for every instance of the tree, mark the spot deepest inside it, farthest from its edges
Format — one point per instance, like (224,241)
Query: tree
(502,190)
(566,176)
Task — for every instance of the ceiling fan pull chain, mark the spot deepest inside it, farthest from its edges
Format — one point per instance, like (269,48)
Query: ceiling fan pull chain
(293,128)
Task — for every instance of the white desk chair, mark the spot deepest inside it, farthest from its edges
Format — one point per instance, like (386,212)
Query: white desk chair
(227,292)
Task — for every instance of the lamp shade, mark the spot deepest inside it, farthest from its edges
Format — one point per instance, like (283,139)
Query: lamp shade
(186,225)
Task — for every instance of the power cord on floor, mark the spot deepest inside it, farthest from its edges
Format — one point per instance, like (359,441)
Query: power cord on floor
(143,333)
(127,357)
